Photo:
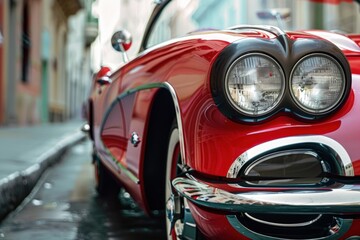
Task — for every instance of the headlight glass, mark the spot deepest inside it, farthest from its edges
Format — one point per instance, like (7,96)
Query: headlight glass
(255,84)
(317,83)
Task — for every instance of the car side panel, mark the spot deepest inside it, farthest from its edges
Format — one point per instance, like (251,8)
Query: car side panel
(115,130)
(126,103)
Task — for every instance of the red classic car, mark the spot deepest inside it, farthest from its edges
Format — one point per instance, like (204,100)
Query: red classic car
(247,132)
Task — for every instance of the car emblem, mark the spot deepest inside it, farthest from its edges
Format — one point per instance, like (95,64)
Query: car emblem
(135,139)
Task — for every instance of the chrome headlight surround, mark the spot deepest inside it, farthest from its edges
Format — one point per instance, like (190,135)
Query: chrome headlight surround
(254,84)
(288,54)
(317,83)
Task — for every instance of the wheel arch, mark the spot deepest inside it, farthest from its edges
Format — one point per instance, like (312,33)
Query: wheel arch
(162,115)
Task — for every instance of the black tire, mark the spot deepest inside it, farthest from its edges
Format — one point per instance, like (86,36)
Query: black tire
(105,184)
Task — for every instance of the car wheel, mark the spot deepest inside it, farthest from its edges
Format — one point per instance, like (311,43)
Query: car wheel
(177,210)
(105,184)
(173,229)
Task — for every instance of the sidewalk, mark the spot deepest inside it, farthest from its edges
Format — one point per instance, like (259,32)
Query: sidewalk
(26,152)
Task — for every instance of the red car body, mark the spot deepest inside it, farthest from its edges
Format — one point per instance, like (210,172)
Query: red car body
(131,115)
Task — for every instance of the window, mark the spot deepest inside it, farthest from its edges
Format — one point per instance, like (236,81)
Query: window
(25,44)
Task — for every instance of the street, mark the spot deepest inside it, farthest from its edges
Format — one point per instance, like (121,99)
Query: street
(64,205)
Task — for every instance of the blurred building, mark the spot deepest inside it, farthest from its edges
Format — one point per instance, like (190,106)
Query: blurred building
(82,31)
(338,15)
(114,15)
(43,57)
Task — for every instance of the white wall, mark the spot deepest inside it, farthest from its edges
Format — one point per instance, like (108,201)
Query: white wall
(114,15)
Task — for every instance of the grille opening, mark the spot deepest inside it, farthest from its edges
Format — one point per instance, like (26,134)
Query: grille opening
(324,225)
(301,167)
(297,162)
(298,167)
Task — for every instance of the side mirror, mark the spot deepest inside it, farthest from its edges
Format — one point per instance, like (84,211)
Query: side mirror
(121,41)
(279,14)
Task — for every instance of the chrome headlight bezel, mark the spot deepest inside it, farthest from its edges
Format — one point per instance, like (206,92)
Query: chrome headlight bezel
(317,95)
(255,82)
(287,53)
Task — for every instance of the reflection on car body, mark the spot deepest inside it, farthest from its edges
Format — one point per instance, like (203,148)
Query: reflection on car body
(247,132)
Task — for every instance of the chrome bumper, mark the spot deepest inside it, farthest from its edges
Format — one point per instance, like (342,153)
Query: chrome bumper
(339,201)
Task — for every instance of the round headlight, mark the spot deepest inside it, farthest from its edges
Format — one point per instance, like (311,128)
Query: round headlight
(317,83)
(255,84)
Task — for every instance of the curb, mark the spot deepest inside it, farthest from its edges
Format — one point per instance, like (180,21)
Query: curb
(18,185)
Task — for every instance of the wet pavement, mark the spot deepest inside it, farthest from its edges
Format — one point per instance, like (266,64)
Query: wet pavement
(26,152)
(64,205)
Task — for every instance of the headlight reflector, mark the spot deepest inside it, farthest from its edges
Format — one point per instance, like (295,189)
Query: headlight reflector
(255,84)
(317,83)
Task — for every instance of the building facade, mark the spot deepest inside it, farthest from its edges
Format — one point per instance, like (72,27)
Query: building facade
(82,31)
(37,71)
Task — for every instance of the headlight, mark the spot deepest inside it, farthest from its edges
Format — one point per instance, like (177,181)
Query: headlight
(317,83)
(254,84)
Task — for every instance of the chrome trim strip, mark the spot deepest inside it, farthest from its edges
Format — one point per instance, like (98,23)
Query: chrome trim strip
(272,29)
(344,226)
(124,169)
(193,225)
(344,200)
(107,155)
(172,92)
(301,224)
(169,87)
(347,168)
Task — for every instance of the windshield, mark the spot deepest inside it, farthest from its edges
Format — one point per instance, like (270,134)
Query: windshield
(183,16)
